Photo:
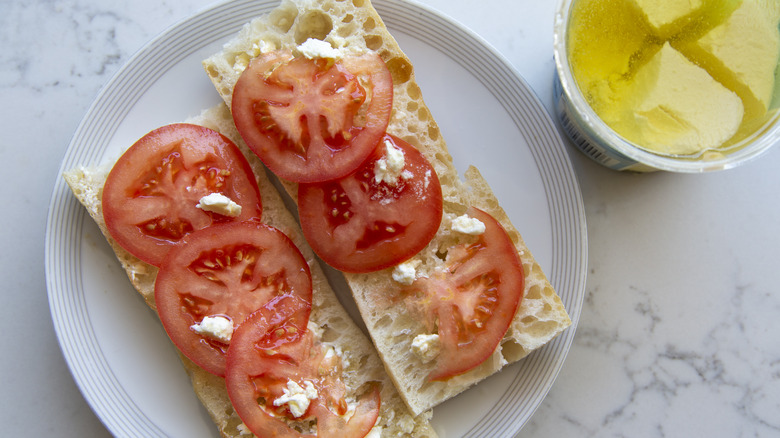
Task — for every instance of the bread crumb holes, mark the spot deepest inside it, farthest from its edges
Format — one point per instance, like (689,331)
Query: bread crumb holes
(313,24)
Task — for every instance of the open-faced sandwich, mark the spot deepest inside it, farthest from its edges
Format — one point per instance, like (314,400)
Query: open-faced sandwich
(207,241)
(449,292)
(319,93)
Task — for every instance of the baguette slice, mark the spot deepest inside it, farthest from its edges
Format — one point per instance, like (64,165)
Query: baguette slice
(356,26)
(338,329)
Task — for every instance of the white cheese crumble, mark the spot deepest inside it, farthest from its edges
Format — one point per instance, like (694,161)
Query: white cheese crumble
(337,351)
(297,398)
(242,60)
(390,167)
(375,432)
(332,351)
(215,327)
(406,272)
(243,429)
(316,330)
(139,270)
(263,46)
(351,409)
(220,204)
(313,48)
(426,347)
(468,225)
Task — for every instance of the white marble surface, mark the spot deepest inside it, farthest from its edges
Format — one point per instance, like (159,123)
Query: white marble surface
(679,332)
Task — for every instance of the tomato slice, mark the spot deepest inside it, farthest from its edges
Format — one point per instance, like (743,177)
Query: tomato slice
(361,224)
(229,271)
(471,300)
(312,120)
(270,349)
(151,195)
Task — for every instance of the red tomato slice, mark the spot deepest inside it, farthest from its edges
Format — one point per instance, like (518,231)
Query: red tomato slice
(472,299)
(228,270)
(312,120)
(357,224)
(150,196)
(273,347)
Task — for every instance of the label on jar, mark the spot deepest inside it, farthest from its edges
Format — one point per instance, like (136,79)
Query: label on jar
(588,144)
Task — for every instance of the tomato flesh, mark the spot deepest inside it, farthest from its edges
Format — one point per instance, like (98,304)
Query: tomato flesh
(150,196)
(361,224)
(271,348)
(471,300)
(228,270)
(312,120)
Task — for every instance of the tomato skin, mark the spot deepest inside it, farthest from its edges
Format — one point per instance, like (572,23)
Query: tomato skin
(150,196)
(472,300)
(346,221)
(269,349)
(255,349)
(361,423)
(312,120)
(228,270)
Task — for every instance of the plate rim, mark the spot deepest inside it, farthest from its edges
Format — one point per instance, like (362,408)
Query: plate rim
(500,70)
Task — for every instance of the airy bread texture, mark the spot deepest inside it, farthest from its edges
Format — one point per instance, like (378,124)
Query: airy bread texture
(354,25)
(361,364)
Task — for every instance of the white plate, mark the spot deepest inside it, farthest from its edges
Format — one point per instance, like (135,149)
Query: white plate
(116,349)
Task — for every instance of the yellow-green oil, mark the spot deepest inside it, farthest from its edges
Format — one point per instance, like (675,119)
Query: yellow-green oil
(609,40)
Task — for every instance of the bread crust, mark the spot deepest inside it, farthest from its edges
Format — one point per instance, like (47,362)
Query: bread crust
(355,25)
(338,328)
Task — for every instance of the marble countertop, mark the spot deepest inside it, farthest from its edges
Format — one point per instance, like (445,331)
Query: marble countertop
(678,336)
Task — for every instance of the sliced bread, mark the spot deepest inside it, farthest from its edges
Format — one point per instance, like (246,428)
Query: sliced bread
(336,327)
(355,26)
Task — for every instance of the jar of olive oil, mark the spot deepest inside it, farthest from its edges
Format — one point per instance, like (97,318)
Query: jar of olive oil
(676,85)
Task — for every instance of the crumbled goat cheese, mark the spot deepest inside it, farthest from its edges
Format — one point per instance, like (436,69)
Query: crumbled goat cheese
(337,351)
(263,46)
(406,272)
(243,429)
(332,351)
(242,60)
(215,327)
(297,398)
(375,432)
(351,409)
(426,347)
(467,225)
(220,204)
(316,330)
(314,48)
(390,167)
